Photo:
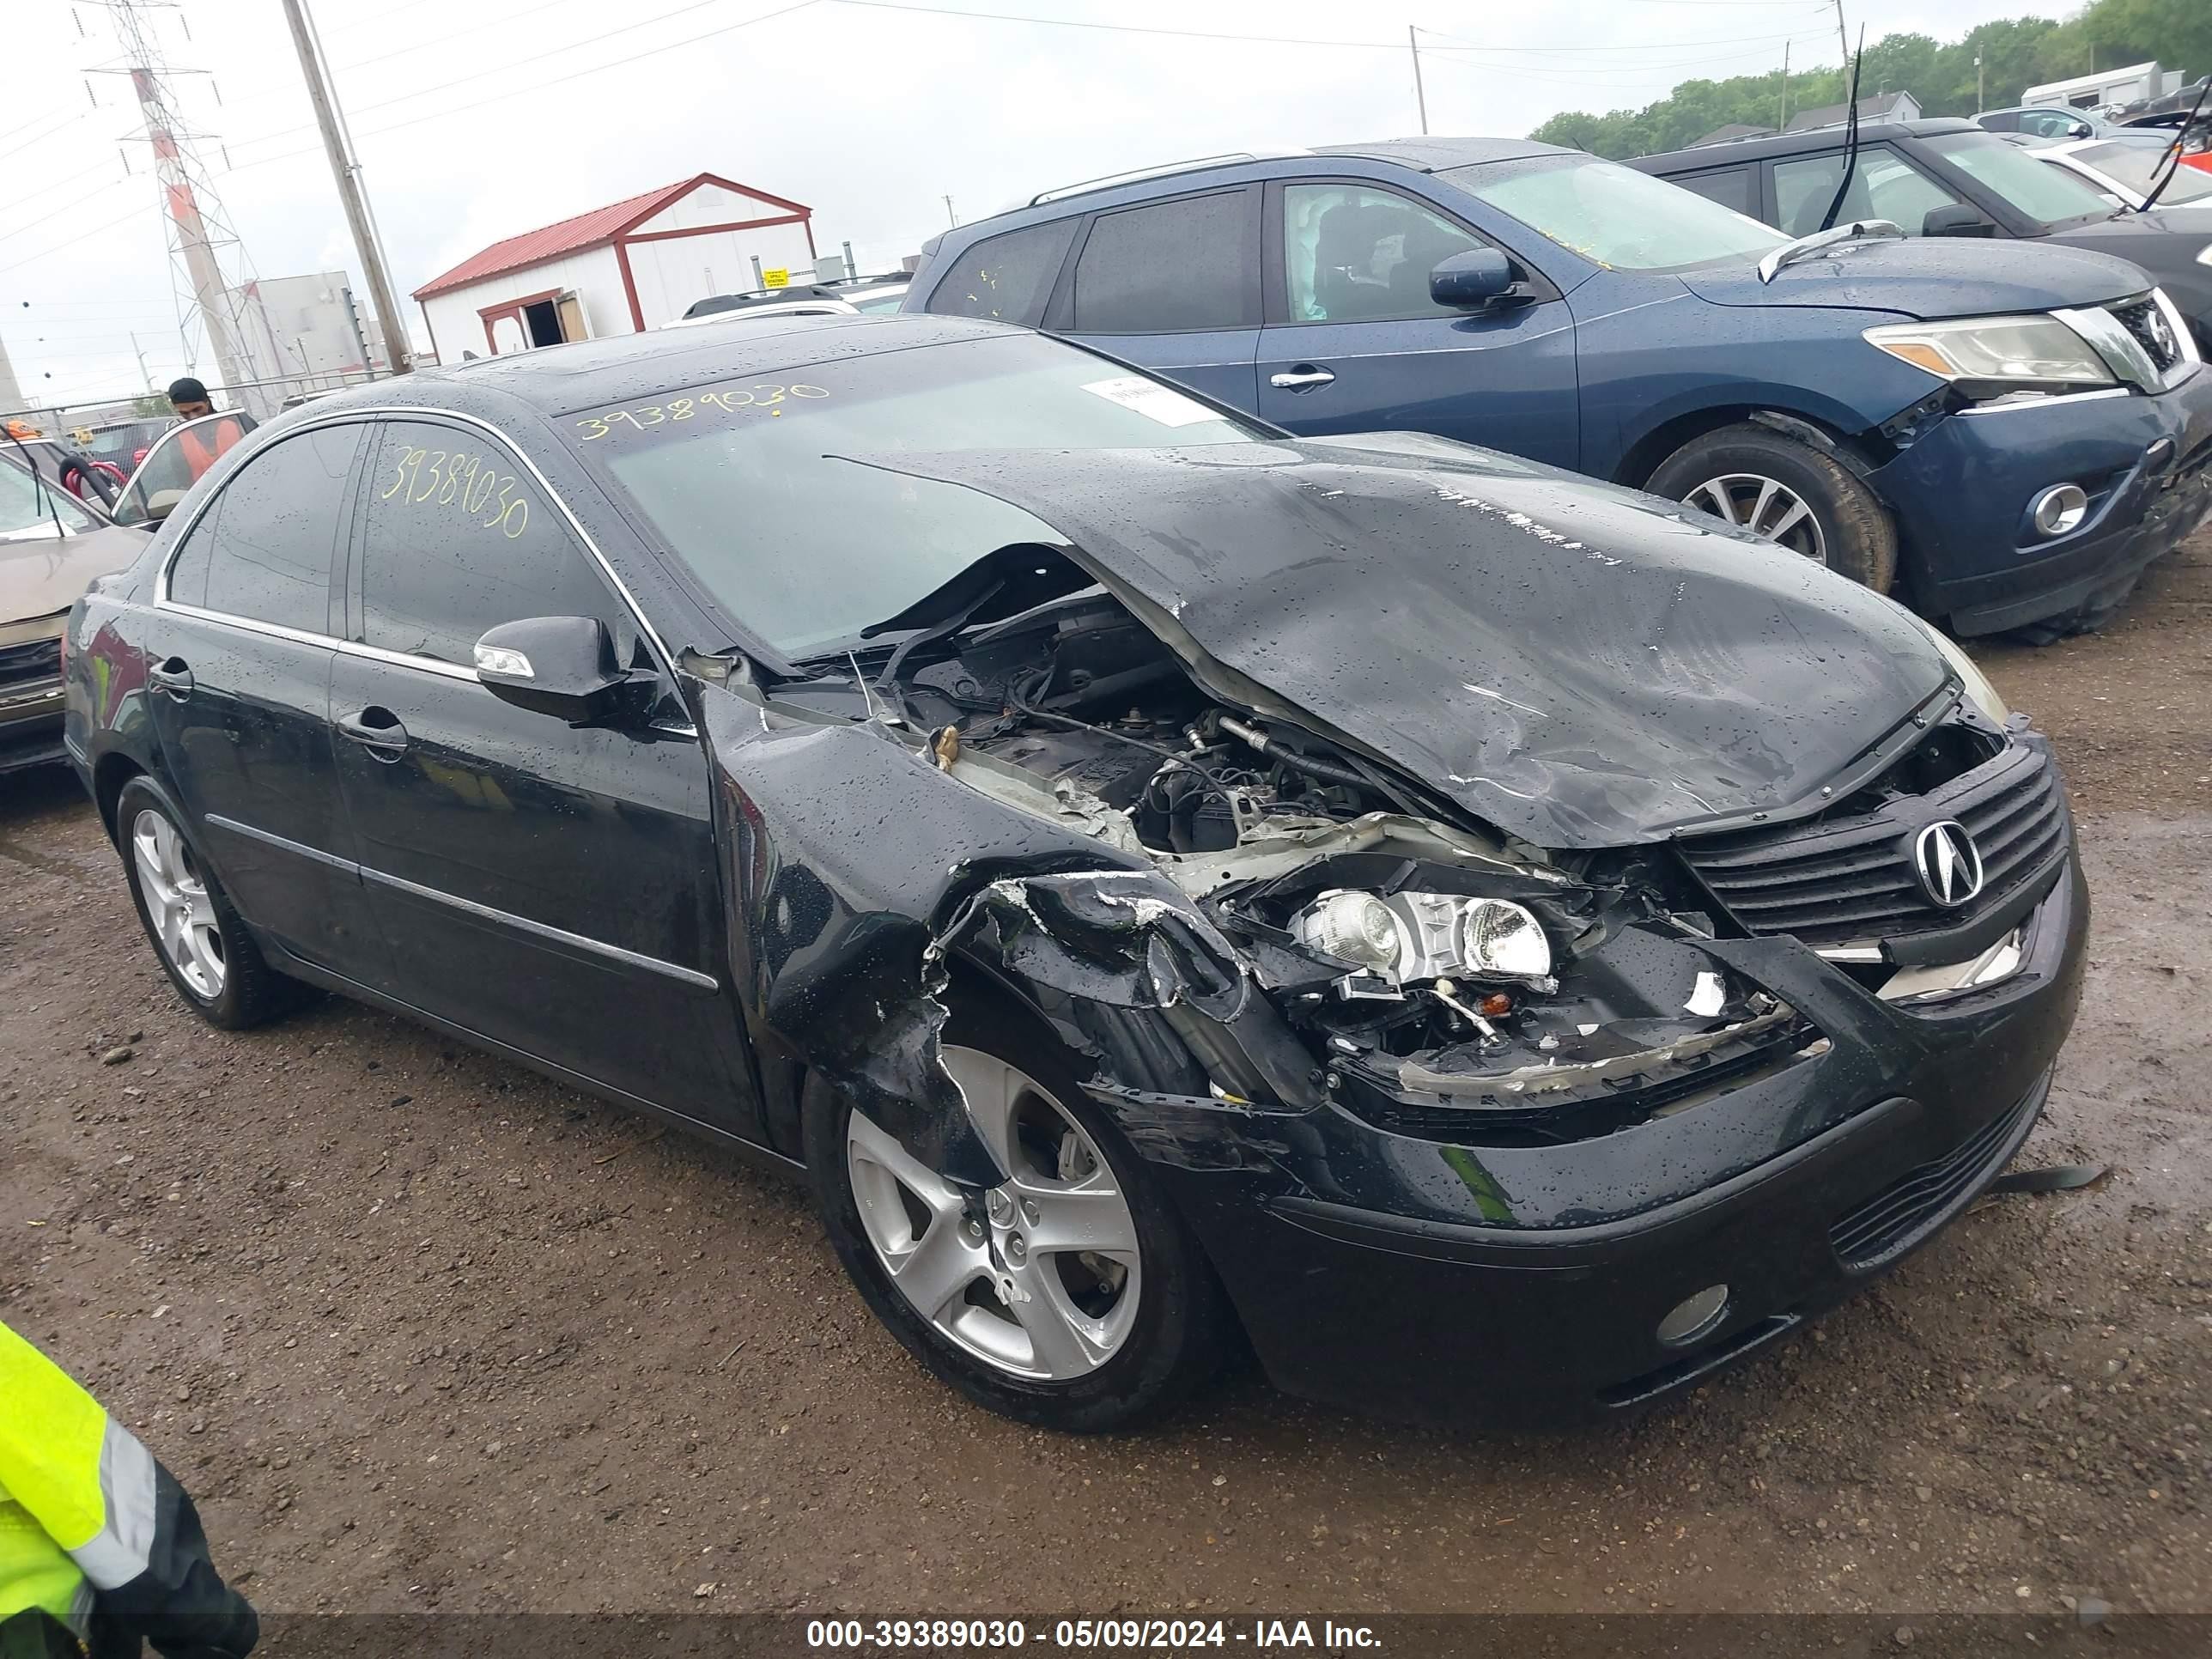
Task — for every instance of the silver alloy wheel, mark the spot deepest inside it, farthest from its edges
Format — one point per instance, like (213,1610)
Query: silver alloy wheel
(1045,1285)
(1765,507)
(176,902)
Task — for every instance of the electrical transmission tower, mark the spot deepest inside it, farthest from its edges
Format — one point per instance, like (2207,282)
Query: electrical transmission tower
(208,264)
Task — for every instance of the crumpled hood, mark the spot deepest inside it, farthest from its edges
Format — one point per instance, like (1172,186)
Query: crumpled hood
(1577,663)
(41,575)
(1927,276)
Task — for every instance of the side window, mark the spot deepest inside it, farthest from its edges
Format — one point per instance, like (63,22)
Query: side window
(175,465)
(267,557)
(1351,253)
(1884,186)
(1169,268)
(188,571)
(1008,277)
(459,539)
(1733,188)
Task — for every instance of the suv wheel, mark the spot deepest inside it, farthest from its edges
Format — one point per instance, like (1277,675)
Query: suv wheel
(1787,492)
(201,940)
(1072,1296)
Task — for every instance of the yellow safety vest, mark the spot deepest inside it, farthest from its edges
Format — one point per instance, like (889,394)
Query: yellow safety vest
(76,1492)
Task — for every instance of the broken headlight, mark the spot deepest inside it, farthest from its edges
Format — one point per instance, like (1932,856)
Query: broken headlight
(1979,692)
(1418,936)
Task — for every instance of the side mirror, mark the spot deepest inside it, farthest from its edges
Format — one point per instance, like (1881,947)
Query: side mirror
(1477,277)
(1956,219)
(563,667)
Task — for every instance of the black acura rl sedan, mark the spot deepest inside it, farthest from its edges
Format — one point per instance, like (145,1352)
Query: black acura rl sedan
(1476,935)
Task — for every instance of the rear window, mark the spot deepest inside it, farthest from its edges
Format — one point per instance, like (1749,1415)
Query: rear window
(1007,278)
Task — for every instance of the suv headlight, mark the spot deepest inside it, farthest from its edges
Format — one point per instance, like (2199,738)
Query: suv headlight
(1986,357)
(1979,692)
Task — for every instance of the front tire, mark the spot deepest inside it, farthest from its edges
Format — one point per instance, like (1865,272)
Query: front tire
(201,940)
(1788,492)
(1071,1297)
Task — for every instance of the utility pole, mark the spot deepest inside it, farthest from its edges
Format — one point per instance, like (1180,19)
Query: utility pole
(139,352)
(1843,42)
(1420,96)
(1782,119)
(951,217)
(200,236)
(1977,81)
(345,172)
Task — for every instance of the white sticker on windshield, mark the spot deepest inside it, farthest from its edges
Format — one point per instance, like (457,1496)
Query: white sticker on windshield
(1152,399)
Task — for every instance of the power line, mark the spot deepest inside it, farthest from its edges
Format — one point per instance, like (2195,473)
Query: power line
(1265,39)
(541,86)
(86,236)
(524,63)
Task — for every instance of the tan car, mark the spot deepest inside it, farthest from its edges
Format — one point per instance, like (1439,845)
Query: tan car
(52,547)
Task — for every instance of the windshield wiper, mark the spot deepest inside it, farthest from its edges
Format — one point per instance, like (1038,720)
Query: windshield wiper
(1851,133)
(2173,155)
(1805,246)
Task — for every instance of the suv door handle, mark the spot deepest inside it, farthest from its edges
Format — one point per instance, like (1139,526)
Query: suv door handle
(173,676)
(1303,377)
(378,730)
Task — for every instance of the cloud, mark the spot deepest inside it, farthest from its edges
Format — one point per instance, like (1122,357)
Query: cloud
(871,117)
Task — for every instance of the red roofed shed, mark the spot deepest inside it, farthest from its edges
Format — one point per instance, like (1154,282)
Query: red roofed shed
(620,268)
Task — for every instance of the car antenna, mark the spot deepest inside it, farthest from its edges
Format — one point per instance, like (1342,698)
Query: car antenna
(2173,155)
(1851,137)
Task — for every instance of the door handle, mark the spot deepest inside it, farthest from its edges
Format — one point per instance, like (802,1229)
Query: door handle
(173,676)
(1304,378)
(377,730)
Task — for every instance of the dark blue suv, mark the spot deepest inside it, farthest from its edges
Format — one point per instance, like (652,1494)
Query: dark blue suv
(2007,435)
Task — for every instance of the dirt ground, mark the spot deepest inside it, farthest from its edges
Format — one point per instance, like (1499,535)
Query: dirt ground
(422,1330)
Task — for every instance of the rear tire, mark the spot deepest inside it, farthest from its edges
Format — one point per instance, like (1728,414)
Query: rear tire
(1067,1351)
(198,937)
(1757,478)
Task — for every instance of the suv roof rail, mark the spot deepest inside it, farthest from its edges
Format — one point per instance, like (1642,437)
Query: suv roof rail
(1165,169)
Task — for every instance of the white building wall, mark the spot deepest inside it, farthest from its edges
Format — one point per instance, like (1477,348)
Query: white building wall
(594,275)
(671,274)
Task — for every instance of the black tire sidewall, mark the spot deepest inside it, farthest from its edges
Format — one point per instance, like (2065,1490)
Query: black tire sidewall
(1860,536)
(246,998)
(1177,1339)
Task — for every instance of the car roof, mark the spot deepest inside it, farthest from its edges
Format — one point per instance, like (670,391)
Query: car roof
(589,373)
(1818,141)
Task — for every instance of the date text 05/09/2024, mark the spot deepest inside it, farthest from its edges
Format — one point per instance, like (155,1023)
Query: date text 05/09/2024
(998,1635)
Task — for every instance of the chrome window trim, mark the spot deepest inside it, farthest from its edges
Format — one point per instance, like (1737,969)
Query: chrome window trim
(2053,402)
(505,918)
(301,636)
(370,417)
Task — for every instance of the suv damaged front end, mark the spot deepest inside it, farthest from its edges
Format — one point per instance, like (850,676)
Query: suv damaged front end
(1499,907)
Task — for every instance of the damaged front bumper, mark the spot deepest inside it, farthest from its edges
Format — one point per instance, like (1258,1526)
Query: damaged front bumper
(1390,1251)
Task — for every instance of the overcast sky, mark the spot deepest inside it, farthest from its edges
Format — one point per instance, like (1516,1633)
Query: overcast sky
(479,118)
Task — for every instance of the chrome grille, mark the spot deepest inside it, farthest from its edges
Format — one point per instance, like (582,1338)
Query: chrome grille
(30,662)
(2143,318)
(1849,877)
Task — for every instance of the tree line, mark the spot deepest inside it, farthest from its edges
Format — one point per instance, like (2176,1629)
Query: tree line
(2016,53)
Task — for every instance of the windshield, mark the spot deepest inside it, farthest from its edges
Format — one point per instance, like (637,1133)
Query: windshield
(2046,194)
(29,505)
(2136,167)
(747,481)
(1614,215)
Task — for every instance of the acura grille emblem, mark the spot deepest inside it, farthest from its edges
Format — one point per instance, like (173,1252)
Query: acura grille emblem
(1945,860)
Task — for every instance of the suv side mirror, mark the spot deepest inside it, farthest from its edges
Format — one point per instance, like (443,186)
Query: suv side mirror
(1478,276)
(563,667)
(1956,219)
